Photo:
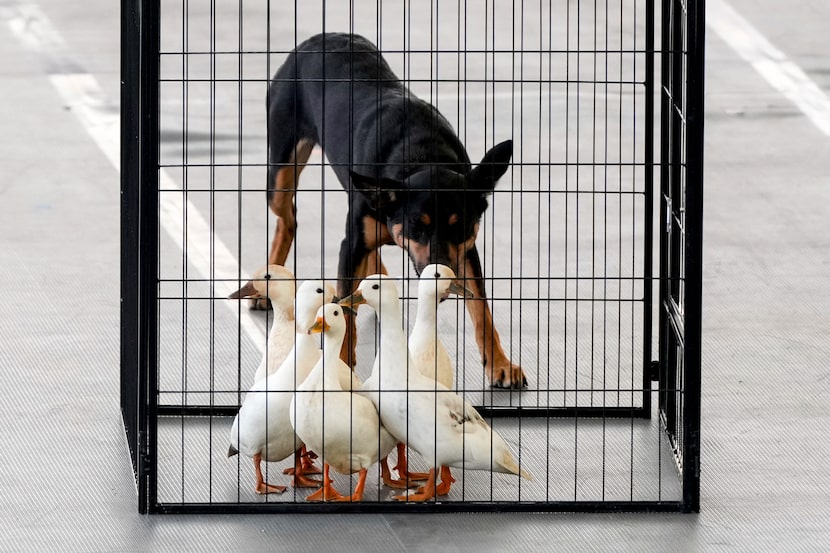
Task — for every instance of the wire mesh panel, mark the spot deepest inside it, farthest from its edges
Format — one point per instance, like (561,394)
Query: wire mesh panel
(379,131)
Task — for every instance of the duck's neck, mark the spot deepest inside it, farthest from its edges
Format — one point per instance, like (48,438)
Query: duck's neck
(426,318)
(282,326)
(393,343)
(304,343)
(331,360)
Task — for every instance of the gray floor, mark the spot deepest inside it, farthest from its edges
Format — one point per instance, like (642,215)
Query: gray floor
(65,479)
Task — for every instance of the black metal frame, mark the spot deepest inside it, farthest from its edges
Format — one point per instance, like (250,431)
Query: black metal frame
(677,369)
(681,239)
(139,234)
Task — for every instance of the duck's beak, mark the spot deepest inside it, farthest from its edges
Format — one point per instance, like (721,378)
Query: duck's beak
(460,290)
(247,291)
(352,301)
(318,326)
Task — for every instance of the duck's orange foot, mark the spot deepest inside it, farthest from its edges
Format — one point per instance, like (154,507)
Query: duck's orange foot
(396,483)
(399,483)
(425,493)
(446,483)
(305,470)
(403,467)
(301,481)
(443,488)
(264,488)
(358,490)
(327,493)
(413,476)
(308,463)
(304,460)
(303,466)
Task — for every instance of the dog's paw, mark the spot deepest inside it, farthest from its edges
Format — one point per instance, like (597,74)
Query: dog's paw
(260,304)
(509,375)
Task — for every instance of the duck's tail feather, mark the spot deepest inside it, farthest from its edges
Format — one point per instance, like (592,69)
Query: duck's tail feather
(232,451)
(508,462)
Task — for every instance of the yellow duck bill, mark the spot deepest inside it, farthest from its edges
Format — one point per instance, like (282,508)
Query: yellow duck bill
(318,326)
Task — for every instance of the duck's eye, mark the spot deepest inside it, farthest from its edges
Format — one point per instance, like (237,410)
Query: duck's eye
(437,275)
(376,287)
(336,313)
(319,290)
(267,276)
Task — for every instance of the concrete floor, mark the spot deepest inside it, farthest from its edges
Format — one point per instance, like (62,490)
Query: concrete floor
(65,479)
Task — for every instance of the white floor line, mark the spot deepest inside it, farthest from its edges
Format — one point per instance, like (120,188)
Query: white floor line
(784,75)
(99,116)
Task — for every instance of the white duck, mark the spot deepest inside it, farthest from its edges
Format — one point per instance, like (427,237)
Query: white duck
(427,352)
(278,284)
(342,427)
(437,423)
(262,427)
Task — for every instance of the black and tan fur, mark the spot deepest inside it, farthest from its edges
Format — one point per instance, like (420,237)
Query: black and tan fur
(409,179)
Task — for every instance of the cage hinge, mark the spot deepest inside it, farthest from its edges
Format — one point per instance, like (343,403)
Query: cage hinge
(654,371)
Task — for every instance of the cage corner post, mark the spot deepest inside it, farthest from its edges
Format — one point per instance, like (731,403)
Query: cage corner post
(130,156)
(694,254)
(139,237)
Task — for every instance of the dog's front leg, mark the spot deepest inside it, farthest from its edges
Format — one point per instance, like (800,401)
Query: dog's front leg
(499,370)
(359,257)
(347,281)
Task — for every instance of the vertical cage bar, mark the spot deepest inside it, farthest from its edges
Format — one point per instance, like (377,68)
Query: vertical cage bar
(148,251)
(670,272)
(130,156)
(676,145)
(665,107)
(694,254)
(648,222)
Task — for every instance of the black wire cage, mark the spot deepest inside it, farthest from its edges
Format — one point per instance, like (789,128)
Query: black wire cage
(603,101)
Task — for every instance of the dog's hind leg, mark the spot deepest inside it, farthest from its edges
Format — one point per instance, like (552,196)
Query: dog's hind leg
(498,368)
(283,182)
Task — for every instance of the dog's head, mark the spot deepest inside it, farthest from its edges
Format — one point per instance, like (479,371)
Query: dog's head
(435,213)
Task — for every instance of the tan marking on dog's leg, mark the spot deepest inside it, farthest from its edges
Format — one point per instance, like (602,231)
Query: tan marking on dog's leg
(348,351)
(498,368)
(375,234)
(374,264)
(282,202)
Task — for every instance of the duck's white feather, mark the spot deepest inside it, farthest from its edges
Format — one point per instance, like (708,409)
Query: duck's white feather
(425,348)
(280,289)
(426,415)
(262,424)
(340,426)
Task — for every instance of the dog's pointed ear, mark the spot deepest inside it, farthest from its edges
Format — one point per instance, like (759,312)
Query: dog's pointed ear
(382,194)
(492,167)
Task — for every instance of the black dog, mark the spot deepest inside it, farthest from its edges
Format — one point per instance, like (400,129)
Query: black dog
(409,178)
